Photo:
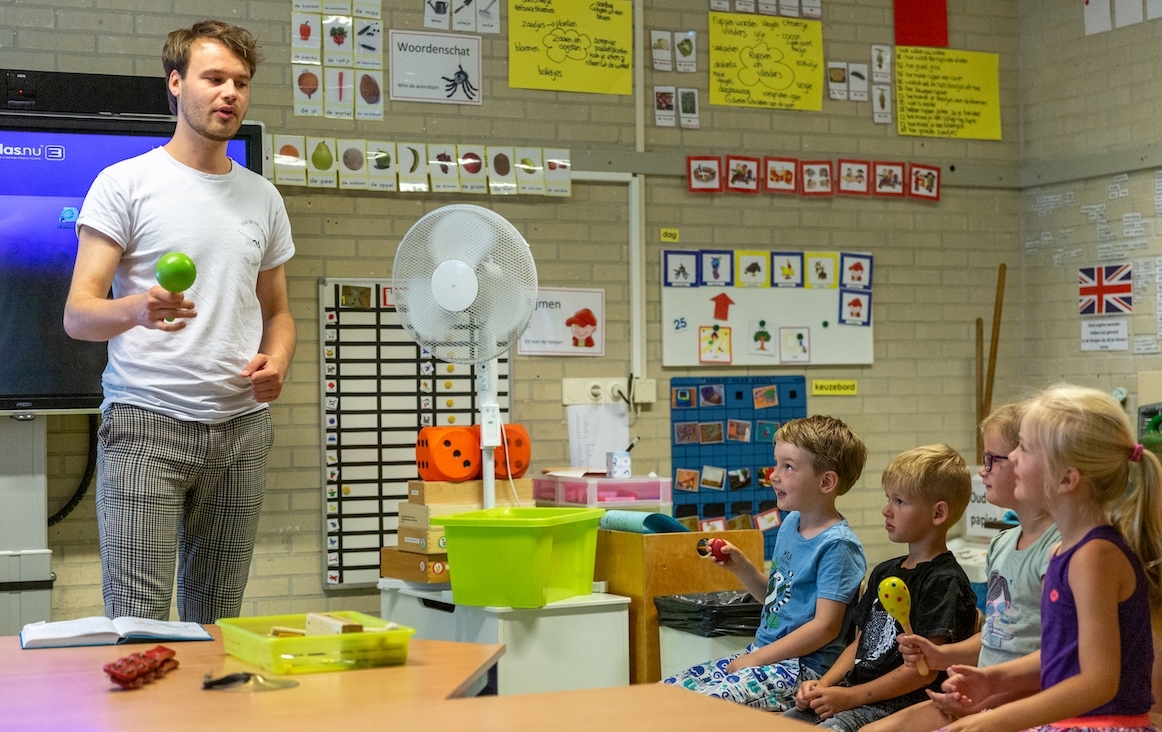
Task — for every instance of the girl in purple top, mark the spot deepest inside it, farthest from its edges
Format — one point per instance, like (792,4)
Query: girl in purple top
(1093,669)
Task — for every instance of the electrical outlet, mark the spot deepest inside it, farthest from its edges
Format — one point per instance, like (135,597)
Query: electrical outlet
(593,391)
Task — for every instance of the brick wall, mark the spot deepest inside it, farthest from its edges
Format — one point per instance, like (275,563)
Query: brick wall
(935,263)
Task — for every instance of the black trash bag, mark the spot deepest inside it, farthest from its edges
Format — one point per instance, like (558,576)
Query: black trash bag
(710,614)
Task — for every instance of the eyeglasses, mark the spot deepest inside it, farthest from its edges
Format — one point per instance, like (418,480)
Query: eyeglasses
(990,458)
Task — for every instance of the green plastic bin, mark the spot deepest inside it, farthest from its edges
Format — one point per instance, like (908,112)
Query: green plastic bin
(520,557)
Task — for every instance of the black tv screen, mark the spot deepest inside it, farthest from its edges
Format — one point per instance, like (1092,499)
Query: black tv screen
(47,163)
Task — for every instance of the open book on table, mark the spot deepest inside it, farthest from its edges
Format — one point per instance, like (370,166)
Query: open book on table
(99,631)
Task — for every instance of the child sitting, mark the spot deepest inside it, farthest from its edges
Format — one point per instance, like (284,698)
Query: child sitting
(1093,669)
(1016,563)
(816,569)
(927,489)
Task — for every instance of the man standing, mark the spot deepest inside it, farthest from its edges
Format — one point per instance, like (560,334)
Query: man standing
(185,430)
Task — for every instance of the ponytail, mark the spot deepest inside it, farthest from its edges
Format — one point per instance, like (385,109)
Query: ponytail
(1139,518)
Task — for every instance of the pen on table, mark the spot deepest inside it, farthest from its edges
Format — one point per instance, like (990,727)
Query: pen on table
(635,441)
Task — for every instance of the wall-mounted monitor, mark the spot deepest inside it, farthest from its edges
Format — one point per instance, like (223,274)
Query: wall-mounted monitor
(47,163)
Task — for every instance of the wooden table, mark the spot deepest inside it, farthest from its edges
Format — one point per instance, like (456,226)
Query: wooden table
(66,688)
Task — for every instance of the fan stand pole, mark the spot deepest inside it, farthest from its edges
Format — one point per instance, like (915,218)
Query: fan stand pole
(490,435)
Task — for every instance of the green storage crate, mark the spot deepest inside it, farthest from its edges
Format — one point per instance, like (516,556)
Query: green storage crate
(521,557)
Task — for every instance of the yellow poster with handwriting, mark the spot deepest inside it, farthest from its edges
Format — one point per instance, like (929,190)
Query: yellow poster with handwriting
(571,45)
(941,92)
(765,62)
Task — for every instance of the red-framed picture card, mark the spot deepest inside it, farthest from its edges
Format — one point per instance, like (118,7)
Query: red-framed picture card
(924,182)
(781,175)
(742,173)
(888,179)
(817,177)
(853,177)
(704,174)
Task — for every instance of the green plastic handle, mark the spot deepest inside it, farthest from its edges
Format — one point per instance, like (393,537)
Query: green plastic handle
(1152,428)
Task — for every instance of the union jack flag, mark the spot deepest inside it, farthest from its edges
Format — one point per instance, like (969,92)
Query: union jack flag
(1105,290)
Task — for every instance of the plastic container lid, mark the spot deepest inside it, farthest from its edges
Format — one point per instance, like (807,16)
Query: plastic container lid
(518,517)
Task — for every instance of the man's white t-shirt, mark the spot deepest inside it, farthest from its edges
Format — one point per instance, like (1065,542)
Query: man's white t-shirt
(232,226)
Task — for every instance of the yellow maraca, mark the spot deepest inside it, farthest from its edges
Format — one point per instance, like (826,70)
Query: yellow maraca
(895,598)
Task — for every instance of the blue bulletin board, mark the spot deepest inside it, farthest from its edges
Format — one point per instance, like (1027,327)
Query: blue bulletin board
(722,433)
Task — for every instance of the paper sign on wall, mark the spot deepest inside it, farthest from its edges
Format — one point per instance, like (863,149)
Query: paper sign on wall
(946,93)
(764,62)
(571,45)
(566,322)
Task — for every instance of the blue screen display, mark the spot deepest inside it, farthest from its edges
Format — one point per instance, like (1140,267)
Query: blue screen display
(44,176)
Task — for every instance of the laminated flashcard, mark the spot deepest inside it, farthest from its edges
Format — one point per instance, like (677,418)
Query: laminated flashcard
(739,478)
(854,177)
(321,171)
(443,168)
(888,179)
(686,433)
(436,15)
(812,8)
(352,164)
(665,113)
(881,64)
(716,268)
(688,109)
(381,166)
(530,171)
(473,175)
(338,91)
(501,171)
(786,269)
(337,46)
(855,271)
(767,519)
(558,172)
(367,44)
(857,82)
(822,270)
(816,176)
(413,167)
(487,16)
(686,480)
(709,433)
(764,475)
(765,431)
(712,395)
(720,6)
(661,49)
(680,268)
(308,91)
(782,175)
(794,345)
(761,337)
(837,80)
(744,6)
(306,38)
(738,430)
(685,47)
(925,182)
(463,16)
(714,344)
(855,307)
(753,268)
(682,397)
(882,104)
(714,479)
(369,94)
(712,524)
(765,396)
(704,174)
(742,174)
(290,160)
(789,8)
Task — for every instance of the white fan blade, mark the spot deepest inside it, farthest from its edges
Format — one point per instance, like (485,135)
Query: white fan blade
(462,235)
(431,323)
(503,314)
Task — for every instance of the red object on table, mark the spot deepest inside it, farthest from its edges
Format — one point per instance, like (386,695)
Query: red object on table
(138,669)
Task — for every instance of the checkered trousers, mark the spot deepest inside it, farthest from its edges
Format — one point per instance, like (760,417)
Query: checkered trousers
(169,488)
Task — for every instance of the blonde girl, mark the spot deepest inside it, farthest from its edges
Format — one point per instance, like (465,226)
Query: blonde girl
(1102,490)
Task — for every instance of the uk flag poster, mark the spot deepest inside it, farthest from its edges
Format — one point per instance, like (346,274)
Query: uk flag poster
(1105,290)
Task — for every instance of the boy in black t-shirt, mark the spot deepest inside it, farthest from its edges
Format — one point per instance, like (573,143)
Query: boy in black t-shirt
(927,489)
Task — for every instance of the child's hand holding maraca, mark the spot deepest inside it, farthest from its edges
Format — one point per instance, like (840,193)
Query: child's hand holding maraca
(897,601)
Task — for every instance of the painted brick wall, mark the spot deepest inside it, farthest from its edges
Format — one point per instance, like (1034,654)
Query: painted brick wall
(935,264)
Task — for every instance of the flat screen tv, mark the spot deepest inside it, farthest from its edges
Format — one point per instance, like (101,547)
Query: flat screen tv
(47,163)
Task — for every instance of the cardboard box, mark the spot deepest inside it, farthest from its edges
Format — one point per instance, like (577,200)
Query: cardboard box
(423,541)
(469,492)
(429,568)
(416,516)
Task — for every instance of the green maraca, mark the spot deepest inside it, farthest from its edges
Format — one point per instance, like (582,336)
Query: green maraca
(896,599)
(175,272)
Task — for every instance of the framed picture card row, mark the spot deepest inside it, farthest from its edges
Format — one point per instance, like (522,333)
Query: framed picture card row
(811,178)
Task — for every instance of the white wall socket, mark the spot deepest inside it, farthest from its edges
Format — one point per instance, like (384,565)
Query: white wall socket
(592,391)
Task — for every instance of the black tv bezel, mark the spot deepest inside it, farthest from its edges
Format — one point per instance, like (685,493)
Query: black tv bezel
(145,126)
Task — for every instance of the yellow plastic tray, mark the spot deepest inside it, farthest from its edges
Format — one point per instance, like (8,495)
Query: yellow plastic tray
(248,640)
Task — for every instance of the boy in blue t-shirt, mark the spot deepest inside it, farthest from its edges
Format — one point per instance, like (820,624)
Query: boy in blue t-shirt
(816,569)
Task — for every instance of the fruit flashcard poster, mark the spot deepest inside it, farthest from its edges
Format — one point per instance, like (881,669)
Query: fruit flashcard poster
(571,45)
(946,93)
(435,67)
(765,62)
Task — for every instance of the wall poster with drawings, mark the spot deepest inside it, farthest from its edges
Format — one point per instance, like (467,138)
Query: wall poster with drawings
(378,388)
(766,308)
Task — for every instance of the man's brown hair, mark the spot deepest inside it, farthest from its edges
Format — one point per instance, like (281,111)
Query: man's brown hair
(832,444)
(175,54)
